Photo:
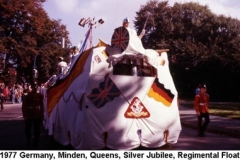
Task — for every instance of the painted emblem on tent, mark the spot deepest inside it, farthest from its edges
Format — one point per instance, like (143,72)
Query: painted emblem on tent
(136,109)
(105,93)
(160,93)
(97,59)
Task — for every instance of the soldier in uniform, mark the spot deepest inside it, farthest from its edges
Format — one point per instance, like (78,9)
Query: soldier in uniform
(201,107)
(33,111)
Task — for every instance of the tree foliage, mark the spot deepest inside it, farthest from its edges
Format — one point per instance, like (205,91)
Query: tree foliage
(27,31)
(204,47)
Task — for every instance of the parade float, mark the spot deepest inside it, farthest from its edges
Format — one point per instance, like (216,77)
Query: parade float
(117,96)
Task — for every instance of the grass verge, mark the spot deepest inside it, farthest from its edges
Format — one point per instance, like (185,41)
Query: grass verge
(224,109)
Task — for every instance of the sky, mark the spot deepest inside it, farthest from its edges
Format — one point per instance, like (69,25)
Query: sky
(113,12)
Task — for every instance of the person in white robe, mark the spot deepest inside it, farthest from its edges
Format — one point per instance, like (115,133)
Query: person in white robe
(135,46)
(62,66)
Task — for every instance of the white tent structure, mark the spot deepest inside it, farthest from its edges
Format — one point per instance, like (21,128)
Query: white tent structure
(114,99)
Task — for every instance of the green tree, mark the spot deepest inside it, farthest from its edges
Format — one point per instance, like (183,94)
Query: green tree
(25,31)
(204,47)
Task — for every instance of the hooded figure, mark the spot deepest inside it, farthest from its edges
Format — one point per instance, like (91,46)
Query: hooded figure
(62,66)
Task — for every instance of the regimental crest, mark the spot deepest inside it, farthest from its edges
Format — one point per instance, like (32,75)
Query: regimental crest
(120,38)
(136,109)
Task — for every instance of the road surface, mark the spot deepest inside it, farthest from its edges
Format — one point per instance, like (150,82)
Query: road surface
(12,136)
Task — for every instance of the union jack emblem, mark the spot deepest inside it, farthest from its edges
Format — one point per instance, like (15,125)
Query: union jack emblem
(105,93)
(120,38)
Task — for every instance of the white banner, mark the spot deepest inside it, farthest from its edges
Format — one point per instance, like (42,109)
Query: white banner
(140,155)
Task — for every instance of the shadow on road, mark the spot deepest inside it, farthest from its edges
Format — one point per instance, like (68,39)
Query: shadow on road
(13,137)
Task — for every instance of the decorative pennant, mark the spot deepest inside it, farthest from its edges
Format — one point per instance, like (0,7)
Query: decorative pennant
(136,109)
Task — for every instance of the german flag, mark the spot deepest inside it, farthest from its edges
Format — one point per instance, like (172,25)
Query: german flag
(160,93)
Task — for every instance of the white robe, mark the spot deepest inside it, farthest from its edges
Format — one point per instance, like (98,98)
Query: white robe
(135,46)
(62,67)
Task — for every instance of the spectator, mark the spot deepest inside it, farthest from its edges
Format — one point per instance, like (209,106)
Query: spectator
(19,93)
(14,94)
(2,99)
(1,88)
(6,92)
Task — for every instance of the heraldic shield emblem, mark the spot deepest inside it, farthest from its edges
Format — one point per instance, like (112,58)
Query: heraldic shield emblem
(136,109)
(120,38)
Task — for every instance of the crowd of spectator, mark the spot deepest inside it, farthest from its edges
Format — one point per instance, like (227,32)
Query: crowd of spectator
(12,93)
